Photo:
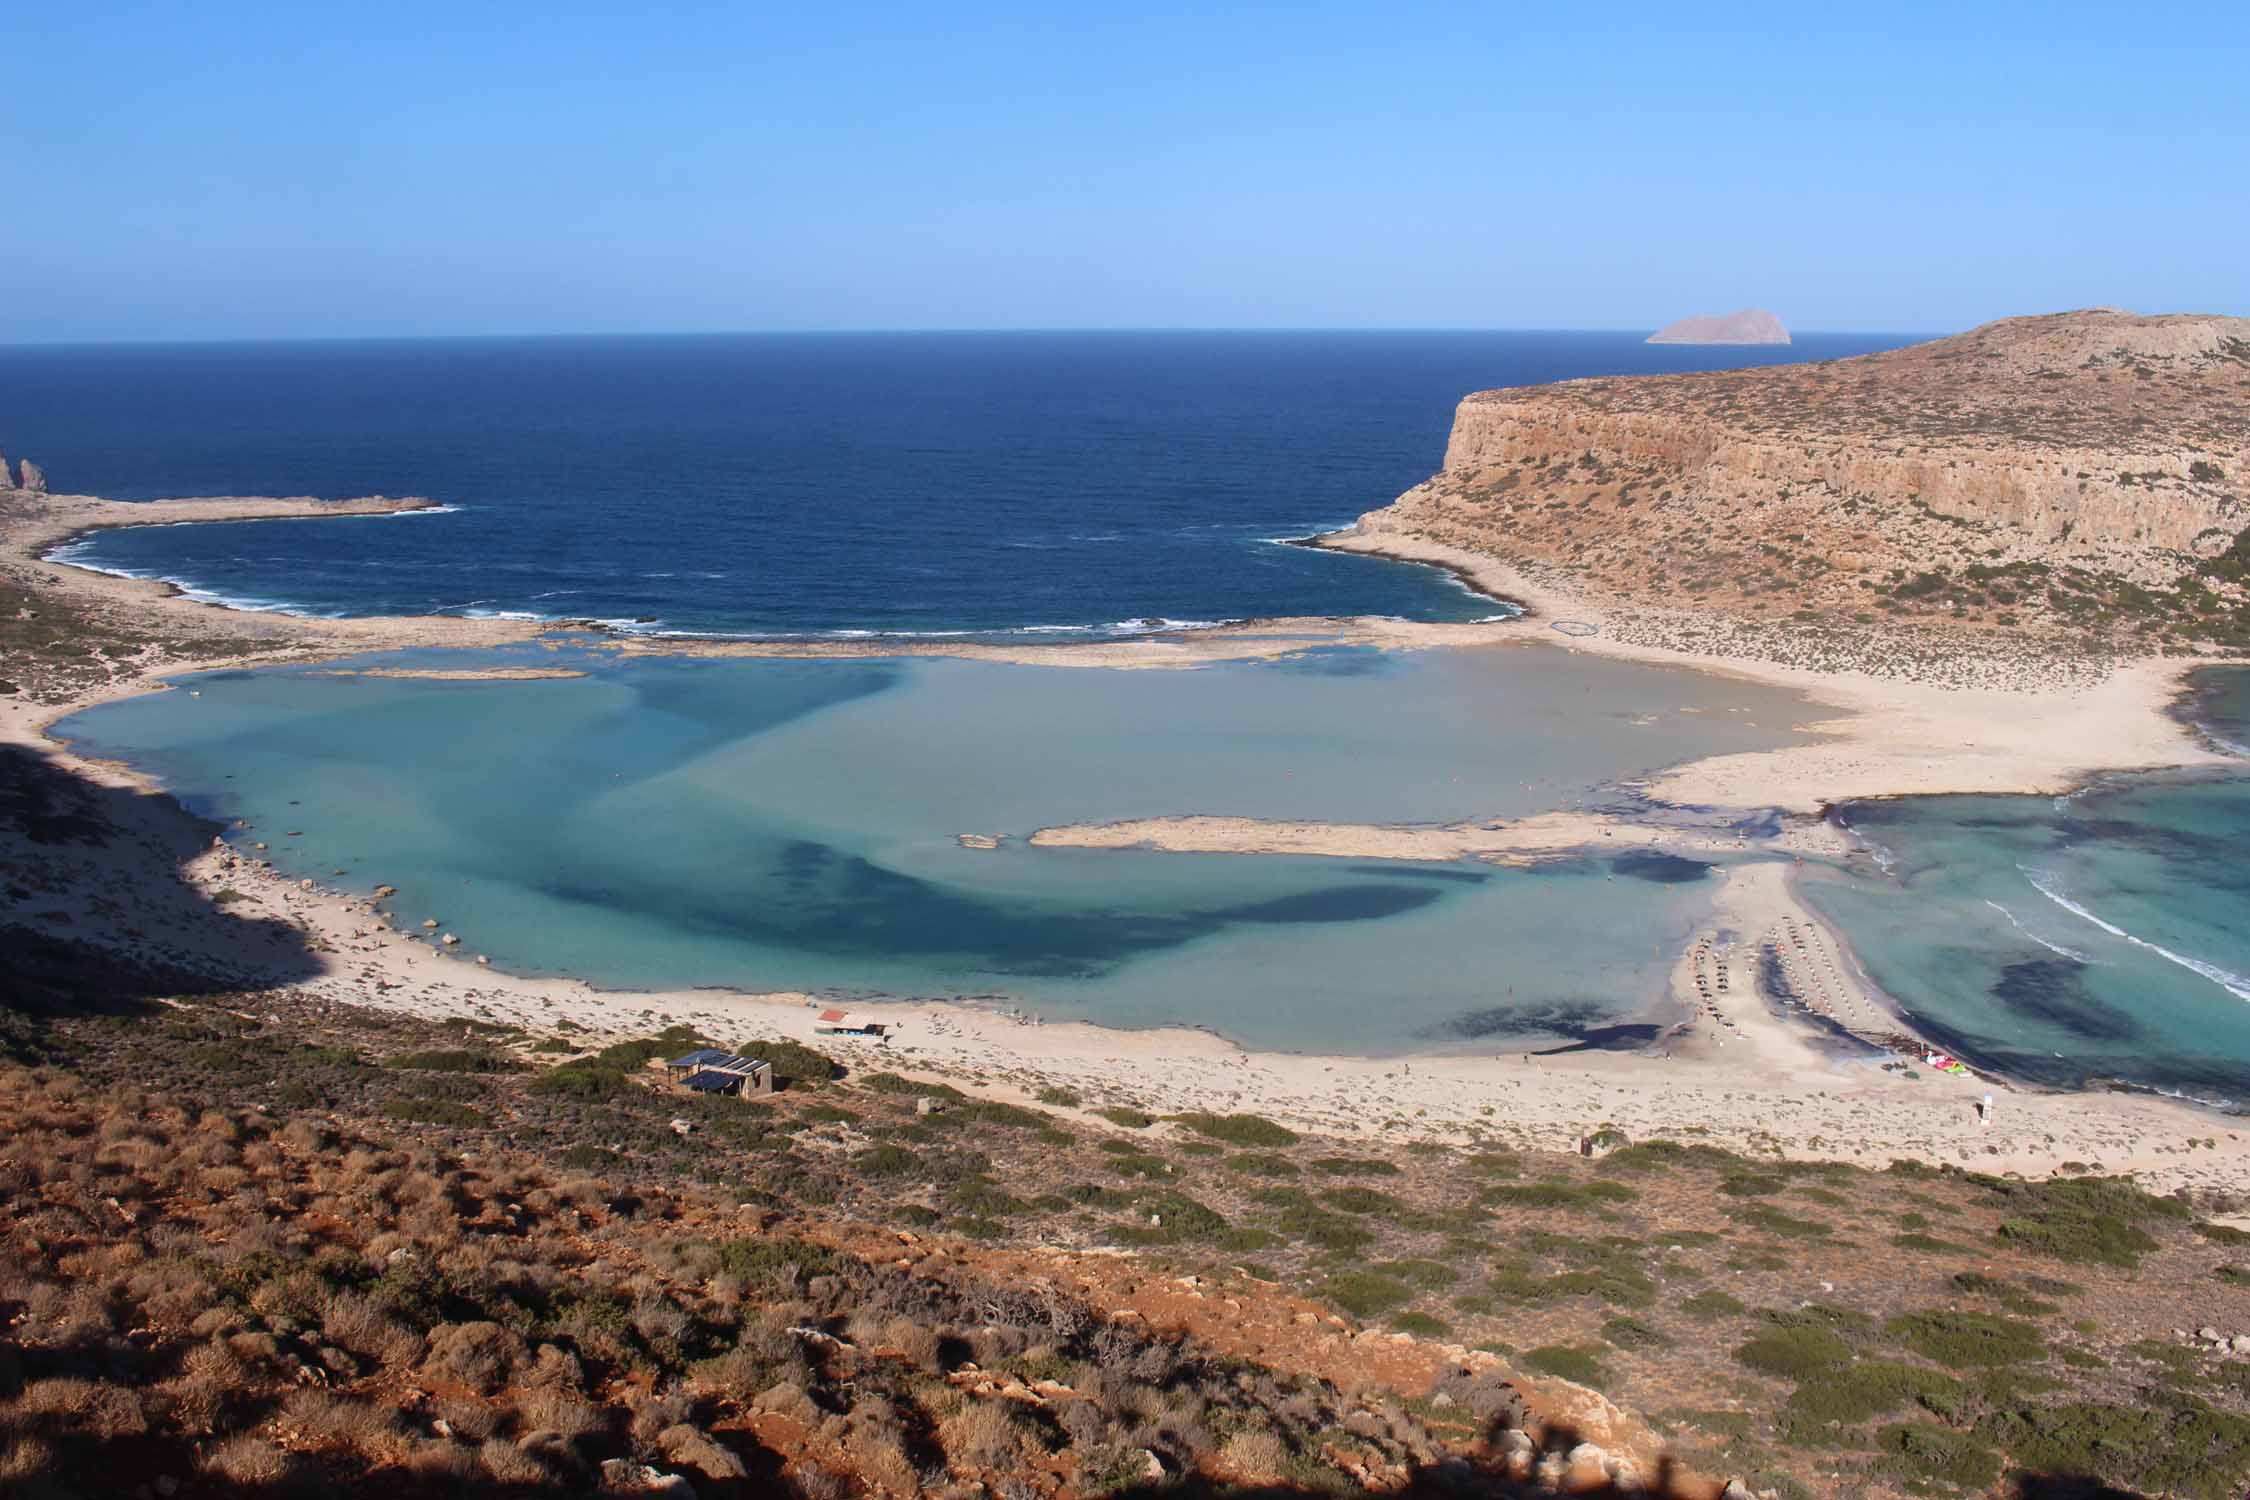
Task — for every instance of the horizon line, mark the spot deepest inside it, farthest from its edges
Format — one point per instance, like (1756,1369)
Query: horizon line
(1183,328)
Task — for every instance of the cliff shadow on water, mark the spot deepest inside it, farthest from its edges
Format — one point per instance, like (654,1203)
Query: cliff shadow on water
(96,914)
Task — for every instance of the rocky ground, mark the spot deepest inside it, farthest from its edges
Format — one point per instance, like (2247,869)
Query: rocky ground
(255,1244)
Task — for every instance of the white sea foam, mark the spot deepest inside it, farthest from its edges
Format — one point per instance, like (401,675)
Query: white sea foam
(2069,953)
(2233,983)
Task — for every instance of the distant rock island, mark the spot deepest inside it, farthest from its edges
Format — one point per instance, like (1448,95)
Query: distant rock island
(1752,325)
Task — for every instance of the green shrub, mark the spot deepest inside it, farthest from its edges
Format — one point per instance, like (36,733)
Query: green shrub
(1709,1305)
(1582,1365)
(1360,1200)
(797,1065)
(776,1261)
(1060,1098)
(1353,1166)
(887,1161)
(1860,1392)
(1244,1239)
(1924,1244)
(1530,1195)
(2167,1443)
(984,1198)
(1919,1451)
(447,1112)
(1427,1274)
(1774,1221)
(2087,1219)
(1422,1325)
(670,1042)
(892,1083)
(1794,1352)
(1657,1155)
(1632,1333)
(579,1079)
(1324,1231)
(1364,1294)
(1263,1164)
(2101,1239)
(1131,1119)
(456,1060)
(1959,1340)
(1237,1130)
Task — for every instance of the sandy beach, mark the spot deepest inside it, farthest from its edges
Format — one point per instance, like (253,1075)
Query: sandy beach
(1739,1070)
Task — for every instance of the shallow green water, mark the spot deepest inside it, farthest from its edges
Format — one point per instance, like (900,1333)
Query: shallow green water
(791,824)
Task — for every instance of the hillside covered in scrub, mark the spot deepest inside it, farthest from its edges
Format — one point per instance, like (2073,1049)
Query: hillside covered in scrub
(344,1251)
(2078,481)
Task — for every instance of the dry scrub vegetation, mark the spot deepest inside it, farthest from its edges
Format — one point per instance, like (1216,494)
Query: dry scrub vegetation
(342,1249)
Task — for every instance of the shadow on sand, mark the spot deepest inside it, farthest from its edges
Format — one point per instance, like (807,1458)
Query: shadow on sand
(95,914)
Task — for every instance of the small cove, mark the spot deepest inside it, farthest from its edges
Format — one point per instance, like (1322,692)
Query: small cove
(2102,935)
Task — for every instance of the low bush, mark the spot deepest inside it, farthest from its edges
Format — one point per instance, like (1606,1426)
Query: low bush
(1709,1305)
(1570,1362)
(797,1065)
(1794,1352)
(1861,1392)
(1364,1294)
(1237,1130)
(447,1112)
(456,1060)
(1959,1340)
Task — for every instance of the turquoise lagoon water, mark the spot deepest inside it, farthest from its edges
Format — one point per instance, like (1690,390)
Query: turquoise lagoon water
(2101,935)
(763,824)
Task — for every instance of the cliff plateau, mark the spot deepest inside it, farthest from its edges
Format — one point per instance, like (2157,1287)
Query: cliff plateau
(2080,479)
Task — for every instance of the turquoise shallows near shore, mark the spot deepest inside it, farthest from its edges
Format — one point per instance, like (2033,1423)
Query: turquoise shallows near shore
(2101,935)
(774,824)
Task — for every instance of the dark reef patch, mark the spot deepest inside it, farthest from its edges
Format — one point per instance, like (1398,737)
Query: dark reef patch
(2054,990)
(1658,867)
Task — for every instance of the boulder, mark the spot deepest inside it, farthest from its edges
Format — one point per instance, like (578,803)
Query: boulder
(34,479)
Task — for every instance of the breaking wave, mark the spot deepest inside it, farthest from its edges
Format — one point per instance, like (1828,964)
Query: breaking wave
(2233,983)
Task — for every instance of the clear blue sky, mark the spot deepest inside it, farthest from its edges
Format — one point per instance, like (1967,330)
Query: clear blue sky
(238,170)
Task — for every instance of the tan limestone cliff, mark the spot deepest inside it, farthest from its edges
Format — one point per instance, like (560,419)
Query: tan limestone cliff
(2069,470)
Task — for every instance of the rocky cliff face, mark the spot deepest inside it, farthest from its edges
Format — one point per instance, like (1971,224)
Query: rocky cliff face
(1972,476)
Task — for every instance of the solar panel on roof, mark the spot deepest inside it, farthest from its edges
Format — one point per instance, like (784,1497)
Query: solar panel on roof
(697,1058)
(708,1082)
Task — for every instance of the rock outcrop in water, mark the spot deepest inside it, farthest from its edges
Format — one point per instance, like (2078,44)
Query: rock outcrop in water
(34,479)
(1752,325)
(2081,476)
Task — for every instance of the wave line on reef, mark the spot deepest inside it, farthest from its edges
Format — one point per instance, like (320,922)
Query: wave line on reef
(2226,979)
(2070,953)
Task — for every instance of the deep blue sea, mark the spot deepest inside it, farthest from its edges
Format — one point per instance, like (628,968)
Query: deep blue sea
(797,484)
